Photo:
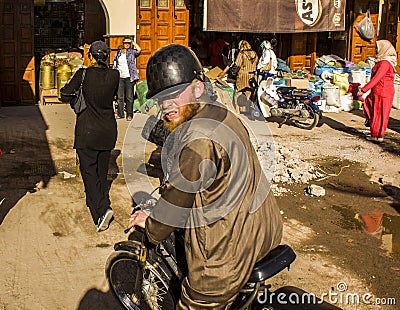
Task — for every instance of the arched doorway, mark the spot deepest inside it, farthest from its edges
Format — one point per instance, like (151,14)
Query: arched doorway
(32,28)
(64,26)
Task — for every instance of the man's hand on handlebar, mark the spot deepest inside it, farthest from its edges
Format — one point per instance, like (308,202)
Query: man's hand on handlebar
(138,219)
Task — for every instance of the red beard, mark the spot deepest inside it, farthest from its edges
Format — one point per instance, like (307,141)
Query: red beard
(186,112)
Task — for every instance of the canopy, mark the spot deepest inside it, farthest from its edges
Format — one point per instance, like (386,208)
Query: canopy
(281,16)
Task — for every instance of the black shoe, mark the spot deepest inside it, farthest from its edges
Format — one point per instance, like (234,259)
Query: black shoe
(104,220)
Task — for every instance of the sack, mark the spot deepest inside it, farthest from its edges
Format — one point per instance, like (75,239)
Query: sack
(342,81)
(366,28)
(155,131)
(78,102)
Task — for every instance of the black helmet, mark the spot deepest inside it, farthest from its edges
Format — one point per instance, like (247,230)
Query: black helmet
(171,65)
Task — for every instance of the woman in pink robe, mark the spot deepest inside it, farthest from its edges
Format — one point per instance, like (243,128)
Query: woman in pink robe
(378,103)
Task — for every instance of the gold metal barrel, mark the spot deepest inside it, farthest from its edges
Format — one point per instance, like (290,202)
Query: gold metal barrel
(63,76)
(75,64)
(46,76)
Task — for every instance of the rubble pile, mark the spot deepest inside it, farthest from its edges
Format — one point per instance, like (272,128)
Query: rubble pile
(266,155)
(289,168)
(283,165)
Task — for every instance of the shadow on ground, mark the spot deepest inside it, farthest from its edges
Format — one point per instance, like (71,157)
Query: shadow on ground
(391,142)
(26,162)
(95,299)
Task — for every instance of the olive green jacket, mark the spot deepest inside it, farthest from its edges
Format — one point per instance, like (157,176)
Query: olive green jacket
(217,192)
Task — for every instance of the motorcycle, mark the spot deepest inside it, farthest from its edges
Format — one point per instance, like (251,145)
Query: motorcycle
(144,276)
(288,103)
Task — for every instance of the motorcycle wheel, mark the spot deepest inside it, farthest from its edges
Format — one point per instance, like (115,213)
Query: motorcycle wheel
(308,120)
(121,270)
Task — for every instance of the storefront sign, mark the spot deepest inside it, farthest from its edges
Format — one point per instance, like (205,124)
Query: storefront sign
(274,15)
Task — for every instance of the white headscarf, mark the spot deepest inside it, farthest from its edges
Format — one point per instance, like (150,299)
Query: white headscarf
(268,55)
(386,51)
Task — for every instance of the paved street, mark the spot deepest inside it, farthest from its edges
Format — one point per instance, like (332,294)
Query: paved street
(53,258)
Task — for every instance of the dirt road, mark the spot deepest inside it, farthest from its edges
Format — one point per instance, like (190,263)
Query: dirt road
(53,258)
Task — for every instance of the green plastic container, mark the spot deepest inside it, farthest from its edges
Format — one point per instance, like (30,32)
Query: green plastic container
(357,104)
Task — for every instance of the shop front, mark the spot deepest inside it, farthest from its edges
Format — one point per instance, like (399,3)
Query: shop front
(36,36)
(307,29)
(304,30)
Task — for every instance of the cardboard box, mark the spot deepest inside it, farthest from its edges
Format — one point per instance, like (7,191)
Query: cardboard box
(213,76)
(298,83)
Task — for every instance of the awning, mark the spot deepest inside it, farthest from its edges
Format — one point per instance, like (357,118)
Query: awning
(278,16)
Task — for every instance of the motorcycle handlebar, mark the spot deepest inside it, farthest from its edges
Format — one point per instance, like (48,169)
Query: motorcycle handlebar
(137,228)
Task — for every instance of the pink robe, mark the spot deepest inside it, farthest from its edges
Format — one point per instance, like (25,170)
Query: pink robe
(379,102)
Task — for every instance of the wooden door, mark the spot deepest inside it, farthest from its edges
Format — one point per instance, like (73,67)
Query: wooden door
(180,23)
(391,8)
(160,22)
(360,49)
(163,24)
(297,59)
(303,51)
(17,66)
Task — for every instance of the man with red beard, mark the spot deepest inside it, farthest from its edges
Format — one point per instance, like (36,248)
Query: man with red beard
(215,190)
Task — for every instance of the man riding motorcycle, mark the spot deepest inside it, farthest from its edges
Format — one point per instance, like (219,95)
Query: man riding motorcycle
(214,190)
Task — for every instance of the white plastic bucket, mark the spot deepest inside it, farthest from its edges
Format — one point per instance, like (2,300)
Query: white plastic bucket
(346,102)
(358,76)
(321,104)
(332,95)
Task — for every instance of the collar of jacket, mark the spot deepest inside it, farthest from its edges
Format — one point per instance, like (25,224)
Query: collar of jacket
(97,65)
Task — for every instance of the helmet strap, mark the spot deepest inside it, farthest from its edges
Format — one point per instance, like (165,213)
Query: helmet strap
(199,75)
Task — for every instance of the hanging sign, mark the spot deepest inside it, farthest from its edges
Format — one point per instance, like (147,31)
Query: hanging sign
(274,15)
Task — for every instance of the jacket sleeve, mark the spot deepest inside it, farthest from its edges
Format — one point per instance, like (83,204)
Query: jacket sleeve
(189,177)
(68,91)
(384,67)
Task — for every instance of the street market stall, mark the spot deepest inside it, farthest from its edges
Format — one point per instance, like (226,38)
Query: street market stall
(56,69)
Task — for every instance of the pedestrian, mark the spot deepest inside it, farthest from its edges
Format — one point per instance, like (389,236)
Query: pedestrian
(246,60)
(125,62)
(96,130)
(378,103)
(215,51)
(215,190)
(229,56)
(268,61)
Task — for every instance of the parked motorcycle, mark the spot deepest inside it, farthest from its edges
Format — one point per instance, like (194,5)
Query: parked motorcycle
(143,276)
(289,103)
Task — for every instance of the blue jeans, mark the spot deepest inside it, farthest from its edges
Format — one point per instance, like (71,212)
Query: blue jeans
(125,94)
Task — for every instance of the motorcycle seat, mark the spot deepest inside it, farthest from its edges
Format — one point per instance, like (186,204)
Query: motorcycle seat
(276,260)
(285,89)
(301,92)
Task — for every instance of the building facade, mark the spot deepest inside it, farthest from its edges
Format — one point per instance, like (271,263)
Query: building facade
(30,28)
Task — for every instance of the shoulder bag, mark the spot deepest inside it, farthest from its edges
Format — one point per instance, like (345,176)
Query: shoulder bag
(78,102)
